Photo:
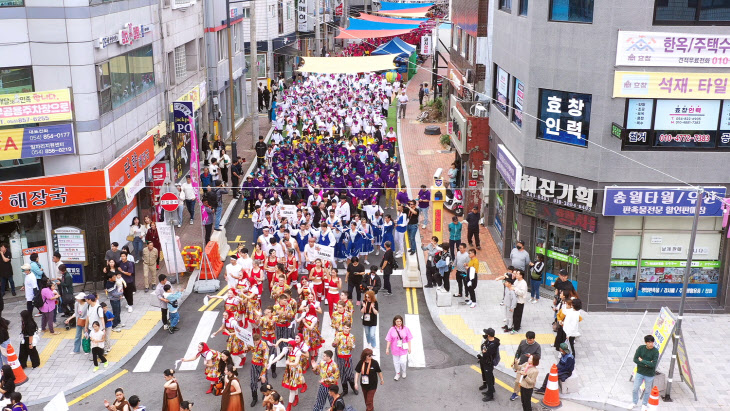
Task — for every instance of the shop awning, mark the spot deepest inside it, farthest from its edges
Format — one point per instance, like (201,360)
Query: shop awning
(337,65)
(370,34)
(381,19)
(288,51)
(388,5)
(358,24)
(421,12)
(395,46)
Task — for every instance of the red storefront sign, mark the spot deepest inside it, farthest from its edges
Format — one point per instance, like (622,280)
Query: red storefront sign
(159,174)
(33,194)
(472,183)
(128,165)
(122,214)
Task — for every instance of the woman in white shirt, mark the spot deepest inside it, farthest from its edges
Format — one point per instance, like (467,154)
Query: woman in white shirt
(571,322)
(224,163)
(137,231)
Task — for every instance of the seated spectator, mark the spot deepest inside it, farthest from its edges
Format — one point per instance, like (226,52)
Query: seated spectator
(566,365)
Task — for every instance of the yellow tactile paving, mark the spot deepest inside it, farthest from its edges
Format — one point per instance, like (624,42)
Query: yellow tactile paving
(123,342)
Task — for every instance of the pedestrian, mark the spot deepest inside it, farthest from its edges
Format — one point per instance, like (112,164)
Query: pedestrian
(180,204)
(115,293)
(225,165)
(50,296)
(562,284)
(205,147)
(566,365)
(527,378)
(443,265)
(527,349)
(4,340)
(353,278)
(571,321)
(232,396)
(28,329)
(452,174)
(472,227)
(329,374)
(520,287)
(260,148)
(432,250)
(112,254)
(401,226)
(412,227)
(134,403)
(207,216)
(338,404)
(371,282)
(461,262)
(149,264)
(402,102)
(536,271)
(259,365)
(7,381)
(520,257)
(260,96)
(399,340)
(249,201)
(367,374)
(127,270)
(488,359)
(237,177)
(369,312)
(159,300)
(95,313)
(344,343)
(562,305)
(387,265)
(509,302)
(30,286)
(421,93)
(424,199)
(472,278)
(6,270)
(219,192)
(206,179)
(454,235)
(189,195)
(173,300)
(79,314)
(645,358)
(108,324)
(98,337)
(426,92)
(267,97)
(120,402)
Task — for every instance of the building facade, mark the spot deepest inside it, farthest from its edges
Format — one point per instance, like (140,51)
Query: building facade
(593,156)
(116,67)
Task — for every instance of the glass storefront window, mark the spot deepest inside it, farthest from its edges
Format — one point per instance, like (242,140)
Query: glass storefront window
(16,80)
(125,77)
(561,247)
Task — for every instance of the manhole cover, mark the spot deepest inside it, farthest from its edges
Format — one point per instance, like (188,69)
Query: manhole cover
(435,358)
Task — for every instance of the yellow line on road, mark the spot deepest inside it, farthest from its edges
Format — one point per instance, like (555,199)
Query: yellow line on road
(97,388)
(502,384)
(415,300)
(212,306)
(241,214)
(214,301)
(408,301)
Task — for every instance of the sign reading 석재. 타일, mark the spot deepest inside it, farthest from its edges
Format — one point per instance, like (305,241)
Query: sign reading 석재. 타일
(35,107)
(704,86)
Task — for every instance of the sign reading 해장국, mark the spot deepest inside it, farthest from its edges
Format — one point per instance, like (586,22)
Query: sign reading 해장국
(639,48)
(661,201)
(35,107)
(33,142)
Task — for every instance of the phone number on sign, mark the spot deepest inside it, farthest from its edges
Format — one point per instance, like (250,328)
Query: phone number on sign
(685,138)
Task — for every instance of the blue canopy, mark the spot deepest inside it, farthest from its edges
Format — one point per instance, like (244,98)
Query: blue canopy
(359,24)
(395,46)
(386,5)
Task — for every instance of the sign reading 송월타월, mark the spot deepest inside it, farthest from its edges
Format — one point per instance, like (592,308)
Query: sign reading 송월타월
(35,107)
(661,201)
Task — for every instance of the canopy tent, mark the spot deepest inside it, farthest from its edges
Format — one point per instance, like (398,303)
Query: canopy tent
(389,6)
(381,19)
(395,46)
(370,34)
(336,65)
(358,24)
(406,13)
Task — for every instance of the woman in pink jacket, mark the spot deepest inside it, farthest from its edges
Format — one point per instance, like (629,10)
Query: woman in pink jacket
(399,340)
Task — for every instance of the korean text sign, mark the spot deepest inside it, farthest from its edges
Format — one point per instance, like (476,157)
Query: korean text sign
(122,170)
(32,142)
(702,86)
(636,48)
(661,201)
(563,194)
(35,107)
(564,117)
(509,168)
(33,194)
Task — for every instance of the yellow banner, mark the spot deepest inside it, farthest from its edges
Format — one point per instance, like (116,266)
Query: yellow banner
(192,95)
(639,84)
(35,107)
(8,218)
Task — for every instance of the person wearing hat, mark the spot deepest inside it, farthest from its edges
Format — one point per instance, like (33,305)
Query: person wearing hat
(562,283)
(30,286)
(566,365)
(80,314)
(187,406)
(488,359)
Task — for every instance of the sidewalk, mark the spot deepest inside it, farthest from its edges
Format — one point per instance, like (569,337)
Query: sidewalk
(607,338)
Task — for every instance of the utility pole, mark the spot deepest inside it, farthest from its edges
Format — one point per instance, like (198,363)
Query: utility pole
(317,27)
(685,283)
(253,54)
(345,13)
(231,84)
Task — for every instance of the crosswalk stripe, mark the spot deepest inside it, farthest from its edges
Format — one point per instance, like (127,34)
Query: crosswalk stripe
(148,358)
(417,358)
(202,333)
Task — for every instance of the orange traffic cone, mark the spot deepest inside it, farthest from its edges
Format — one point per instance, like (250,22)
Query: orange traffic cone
(20,376)
(654,399)
(552,392)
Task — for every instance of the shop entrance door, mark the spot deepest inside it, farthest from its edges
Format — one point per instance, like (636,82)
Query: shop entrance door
(561,248)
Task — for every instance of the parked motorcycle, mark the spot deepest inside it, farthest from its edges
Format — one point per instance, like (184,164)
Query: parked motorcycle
(455,202)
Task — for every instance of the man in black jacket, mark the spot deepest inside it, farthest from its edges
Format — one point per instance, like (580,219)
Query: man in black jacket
(472,227)
(371,281)
(260,148)
(236,176)
(490,353)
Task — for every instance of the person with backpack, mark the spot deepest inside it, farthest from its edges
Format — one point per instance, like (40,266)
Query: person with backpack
(488,359)
(536,271)
(338,404)
(67,291)
(28,329)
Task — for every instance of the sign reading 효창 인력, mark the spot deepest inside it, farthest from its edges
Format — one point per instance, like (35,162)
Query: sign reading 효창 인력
(639,48)
(661,201)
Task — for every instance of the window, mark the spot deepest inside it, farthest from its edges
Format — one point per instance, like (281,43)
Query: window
(501,90)
(222,45)
(11,3)
(238,36)
(180,63)
(576,11)
(465,45)
(519,98)
(523,7)
(505,5)
(201,53)
(289,13)
(564,117)
(261,64)
(691,11)
(280,15)
(237,99)
(457,39)
(124,77)
(16,80)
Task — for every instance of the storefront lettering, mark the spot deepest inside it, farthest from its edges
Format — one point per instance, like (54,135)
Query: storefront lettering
(566,195)
(670,201)
(126,36)
(563,216)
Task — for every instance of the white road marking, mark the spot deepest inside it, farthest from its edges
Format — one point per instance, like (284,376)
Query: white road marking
(328,333)
(148,358)
(205,326)
(417,358)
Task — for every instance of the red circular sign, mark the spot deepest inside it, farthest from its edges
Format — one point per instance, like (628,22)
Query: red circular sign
(169,202)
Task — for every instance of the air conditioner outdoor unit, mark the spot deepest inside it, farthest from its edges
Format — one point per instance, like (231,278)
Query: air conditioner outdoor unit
(480,111)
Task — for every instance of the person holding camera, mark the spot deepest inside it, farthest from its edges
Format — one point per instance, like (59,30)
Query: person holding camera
(488,359)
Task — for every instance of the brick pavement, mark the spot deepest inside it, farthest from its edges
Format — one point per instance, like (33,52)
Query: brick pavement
(606,339)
